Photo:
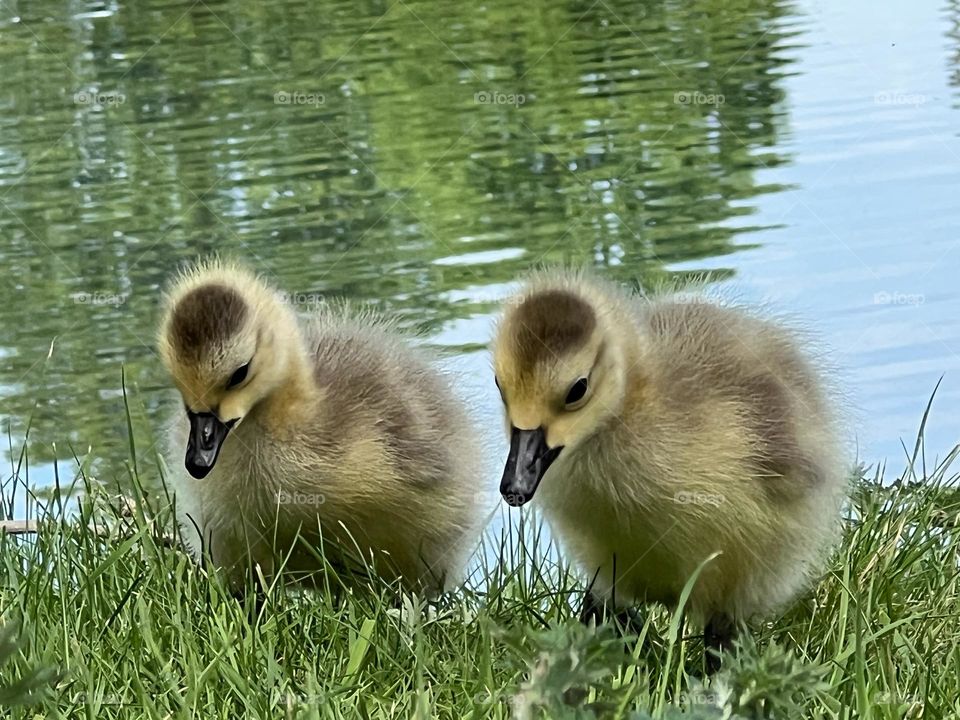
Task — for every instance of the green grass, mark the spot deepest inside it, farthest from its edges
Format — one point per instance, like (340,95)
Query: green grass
(128,627)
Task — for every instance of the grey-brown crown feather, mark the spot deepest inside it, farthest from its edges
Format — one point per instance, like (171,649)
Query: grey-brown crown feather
(549,324)
(206,316)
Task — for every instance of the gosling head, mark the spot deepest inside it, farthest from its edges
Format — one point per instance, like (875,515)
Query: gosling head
(561,375)
(221,341)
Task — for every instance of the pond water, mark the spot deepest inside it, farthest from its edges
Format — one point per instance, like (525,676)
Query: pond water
(420,155)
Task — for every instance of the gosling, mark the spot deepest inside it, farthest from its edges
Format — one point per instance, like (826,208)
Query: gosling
(302,438)
(657,431)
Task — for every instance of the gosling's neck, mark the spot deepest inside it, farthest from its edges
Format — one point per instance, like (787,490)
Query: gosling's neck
(290,403)
(634,349)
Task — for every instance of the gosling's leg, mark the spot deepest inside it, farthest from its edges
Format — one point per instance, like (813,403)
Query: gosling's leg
(597,610)
(254,591)
(592,609)
(718,637)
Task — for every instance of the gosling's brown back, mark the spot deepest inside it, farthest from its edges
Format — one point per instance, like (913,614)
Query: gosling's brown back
(728,355)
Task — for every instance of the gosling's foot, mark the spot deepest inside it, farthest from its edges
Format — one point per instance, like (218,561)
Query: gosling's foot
(251,595)
(718,637)
(252,602)
(592,609)
(597,610)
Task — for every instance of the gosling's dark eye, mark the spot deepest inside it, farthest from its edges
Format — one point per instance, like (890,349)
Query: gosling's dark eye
(239,376)
(577,392)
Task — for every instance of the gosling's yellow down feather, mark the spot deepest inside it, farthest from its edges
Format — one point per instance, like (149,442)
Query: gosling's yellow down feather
(663,429)
(332,430)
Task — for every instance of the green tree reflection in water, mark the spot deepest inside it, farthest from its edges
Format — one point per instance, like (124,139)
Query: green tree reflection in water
(417,155)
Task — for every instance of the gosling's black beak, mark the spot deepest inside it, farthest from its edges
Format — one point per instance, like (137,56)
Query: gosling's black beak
(528,460)
(207,434)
